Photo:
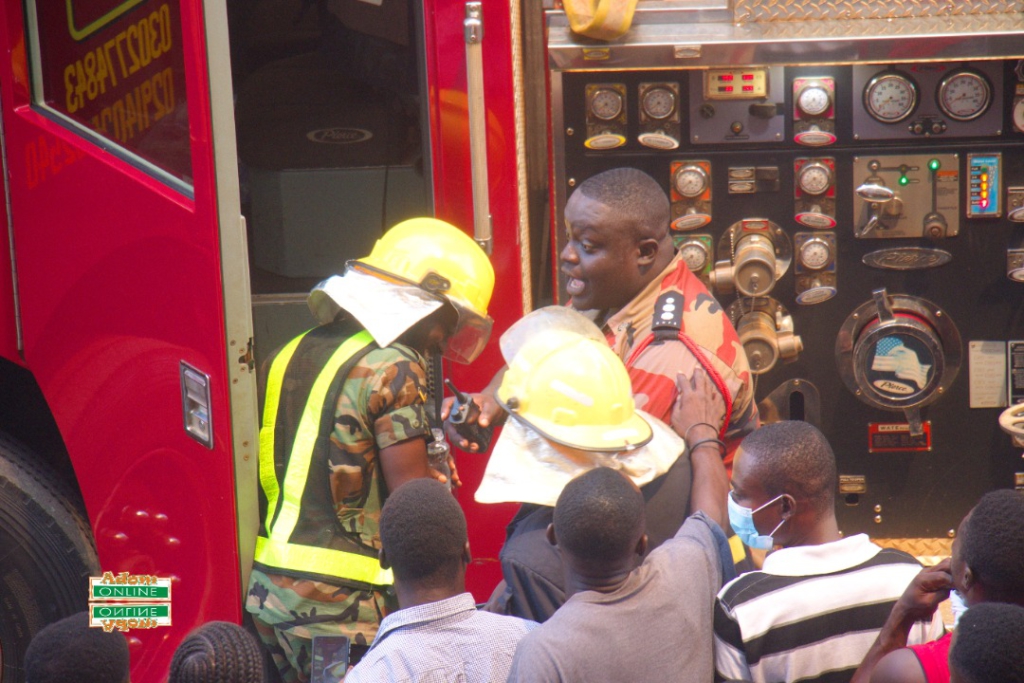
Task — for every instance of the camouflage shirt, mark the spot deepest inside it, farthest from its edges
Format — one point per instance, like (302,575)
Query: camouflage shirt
(381,403)
(653,372)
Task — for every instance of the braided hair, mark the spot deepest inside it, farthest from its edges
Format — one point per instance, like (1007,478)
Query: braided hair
(217,652)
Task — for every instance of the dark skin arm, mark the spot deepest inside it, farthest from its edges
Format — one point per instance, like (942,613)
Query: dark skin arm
(484,410)
(888,660)
(404,461)
(699,401)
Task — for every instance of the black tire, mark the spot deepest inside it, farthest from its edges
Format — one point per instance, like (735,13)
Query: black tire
(46,554)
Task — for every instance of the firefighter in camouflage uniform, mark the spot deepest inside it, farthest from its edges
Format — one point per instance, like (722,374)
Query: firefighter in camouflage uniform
(344,423)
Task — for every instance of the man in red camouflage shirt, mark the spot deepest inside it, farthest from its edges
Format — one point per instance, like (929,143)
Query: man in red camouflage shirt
(619,261)
(622,271)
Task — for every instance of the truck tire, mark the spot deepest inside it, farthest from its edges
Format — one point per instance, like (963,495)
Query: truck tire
(46,554)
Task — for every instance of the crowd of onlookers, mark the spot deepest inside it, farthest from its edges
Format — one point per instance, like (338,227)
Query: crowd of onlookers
(823,607)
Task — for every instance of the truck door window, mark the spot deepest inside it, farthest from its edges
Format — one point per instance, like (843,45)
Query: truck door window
(113,70)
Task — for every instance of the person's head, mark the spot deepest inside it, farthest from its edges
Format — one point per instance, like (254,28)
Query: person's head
(785,473)
(617,238)
(423,537)
(423,273)
(598,523)
(217,652)
(988,645)
(574,391)
(988,552)
(70,651)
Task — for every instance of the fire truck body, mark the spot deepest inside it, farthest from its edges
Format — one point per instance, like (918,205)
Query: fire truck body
(178,173)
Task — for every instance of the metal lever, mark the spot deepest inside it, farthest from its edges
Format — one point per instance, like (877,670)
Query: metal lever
(473,26)
(876,195)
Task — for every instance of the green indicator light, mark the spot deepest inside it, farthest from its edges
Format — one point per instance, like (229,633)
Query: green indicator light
(934,164)
(904,180)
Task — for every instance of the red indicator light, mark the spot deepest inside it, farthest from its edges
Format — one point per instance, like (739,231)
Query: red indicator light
(748,77)
(748,88)
(984,203)
(725,77)
(725,88)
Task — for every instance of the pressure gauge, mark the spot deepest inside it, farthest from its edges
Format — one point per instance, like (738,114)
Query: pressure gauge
(691,181)
(815,253)
(890,97)
(814,178)
(964,95)
(695,255)
(659,103)
(814,99)
(606,104)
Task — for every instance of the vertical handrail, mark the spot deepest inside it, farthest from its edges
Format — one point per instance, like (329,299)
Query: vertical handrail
(473,26)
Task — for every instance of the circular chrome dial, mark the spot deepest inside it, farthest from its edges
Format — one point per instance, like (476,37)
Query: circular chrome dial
(815,253)
(695,255)
(606,104)
(815,178)
(890,97)
(814,99)
(691,181)
(964,95)
(659,103)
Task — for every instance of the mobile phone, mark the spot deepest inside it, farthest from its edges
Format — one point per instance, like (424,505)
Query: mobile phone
(330,659)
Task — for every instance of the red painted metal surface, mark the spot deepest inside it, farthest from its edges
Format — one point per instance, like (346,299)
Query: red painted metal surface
(446,70)
(119,281)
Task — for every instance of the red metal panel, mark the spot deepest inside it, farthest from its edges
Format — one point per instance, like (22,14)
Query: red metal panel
(446,69)
(119,281)
(8,326)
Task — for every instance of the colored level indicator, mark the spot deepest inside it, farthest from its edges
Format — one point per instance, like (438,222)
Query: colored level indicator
(985,191)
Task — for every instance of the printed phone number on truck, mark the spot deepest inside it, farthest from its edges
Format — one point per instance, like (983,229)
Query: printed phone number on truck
(132,49)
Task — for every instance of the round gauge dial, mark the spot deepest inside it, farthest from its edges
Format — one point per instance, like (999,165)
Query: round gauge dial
(606,104)
(814,99)
(964,95)
(815,178)
(659,103)
(815,254)
(695,255)
(691,181)
(890,97)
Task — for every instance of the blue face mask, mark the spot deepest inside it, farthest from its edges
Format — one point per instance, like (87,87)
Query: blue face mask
(741,520)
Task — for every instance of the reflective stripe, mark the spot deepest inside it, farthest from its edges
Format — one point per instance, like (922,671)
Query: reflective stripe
(268,472)
(306,435)
(276,551)
(306,558)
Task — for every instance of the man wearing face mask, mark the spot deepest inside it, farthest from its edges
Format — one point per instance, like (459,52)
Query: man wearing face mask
(987,565)
(815,608)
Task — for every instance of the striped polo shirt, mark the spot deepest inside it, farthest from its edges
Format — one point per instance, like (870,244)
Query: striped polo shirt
(812,612)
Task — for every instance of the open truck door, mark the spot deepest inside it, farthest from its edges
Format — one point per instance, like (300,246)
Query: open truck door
(133,310)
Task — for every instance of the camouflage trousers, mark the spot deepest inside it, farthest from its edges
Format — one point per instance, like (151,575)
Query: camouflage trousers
(289,612)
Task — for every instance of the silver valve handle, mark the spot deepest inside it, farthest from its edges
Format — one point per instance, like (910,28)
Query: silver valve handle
(875,195)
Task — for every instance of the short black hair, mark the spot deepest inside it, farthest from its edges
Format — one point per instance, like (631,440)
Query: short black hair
(635,196)
(217,652)
(423,532)
(599,516)
(70,651)
(993,545)
(989,644)
(793,457)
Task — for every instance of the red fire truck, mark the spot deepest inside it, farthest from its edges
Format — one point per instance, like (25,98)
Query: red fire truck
(846,177)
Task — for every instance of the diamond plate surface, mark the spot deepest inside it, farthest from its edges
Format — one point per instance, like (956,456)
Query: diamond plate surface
(928,551)
(803,10)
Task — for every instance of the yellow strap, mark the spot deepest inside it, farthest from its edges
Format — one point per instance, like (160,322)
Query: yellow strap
(306,558)
(305,438)
(601,19)
(736,548)
(271,401)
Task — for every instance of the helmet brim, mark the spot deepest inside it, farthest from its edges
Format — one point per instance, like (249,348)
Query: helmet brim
(630,434)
